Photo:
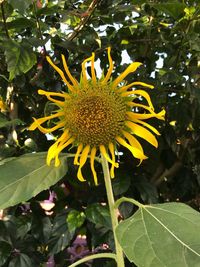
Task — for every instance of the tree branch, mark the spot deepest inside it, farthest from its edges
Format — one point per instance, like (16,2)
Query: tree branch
(38,26)
(84,20)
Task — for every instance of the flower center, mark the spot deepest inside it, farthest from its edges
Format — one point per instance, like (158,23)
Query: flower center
(95,116)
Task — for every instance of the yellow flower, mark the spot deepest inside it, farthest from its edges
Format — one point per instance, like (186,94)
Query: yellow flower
(98,115)
(2,105)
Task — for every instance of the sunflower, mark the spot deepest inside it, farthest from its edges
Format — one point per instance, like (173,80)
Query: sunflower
(97,115)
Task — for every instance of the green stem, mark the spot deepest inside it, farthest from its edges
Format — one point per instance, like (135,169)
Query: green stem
(92,257)
(126,199)
(113,211)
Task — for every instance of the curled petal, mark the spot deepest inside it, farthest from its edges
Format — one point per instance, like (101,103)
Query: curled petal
(136,152)
(92,157)
(142,132)
(38,122)
(72,79)
(83,159)
(79,149)
(110,67)
(61,146)
(133,141)
(131,68)
(147,125)
(112,152)
(42,92)
(53,151)
(124,88)
(84,73)
(61,73)
(144,116)
(105,154)
(94,79)
(52,129)
(140,93)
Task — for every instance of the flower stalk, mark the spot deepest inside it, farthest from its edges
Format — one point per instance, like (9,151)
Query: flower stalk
(113,211)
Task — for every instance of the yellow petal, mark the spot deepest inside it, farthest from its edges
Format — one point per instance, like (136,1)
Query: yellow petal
(57,161)
(112,152)
(38,122)
(53,150)
(140,93)
(52,129)
(143,116)
(92,157)
(124,88)
(49,94)
(105,154)
(94,79)
(110,67)
(83,159)
(54,153)
(51,153)
(84,73)
(61,73)
(42,92)
(79,149)
(72,79)
(135,152)
(137,105)
(147,125)
(133,141)
(142,132)
(61,147)
(131,68)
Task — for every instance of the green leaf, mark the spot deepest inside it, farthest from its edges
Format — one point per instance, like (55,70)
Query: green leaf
(60,237)
(5,251)
(24,177)
(155,233)
(20,5)
(20,23)
(19,57)
(22,260)
(75,219)
(174,9)
(5,123)
(99,215)
(121,183)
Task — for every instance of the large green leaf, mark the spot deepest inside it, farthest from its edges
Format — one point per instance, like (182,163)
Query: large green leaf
(19,57)
(162,235)
(24,177)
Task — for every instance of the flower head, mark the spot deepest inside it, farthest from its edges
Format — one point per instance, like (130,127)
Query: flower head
(98,115)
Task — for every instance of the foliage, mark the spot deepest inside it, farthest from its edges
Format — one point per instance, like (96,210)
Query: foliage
(164,36)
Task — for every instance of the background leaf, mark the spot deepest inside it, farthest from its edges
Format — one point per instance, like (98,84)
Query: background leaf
(20,5)
(19,57)
(99,215)
(6,123)
(26,176)
(22,260)
(75,219)
(162,235)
